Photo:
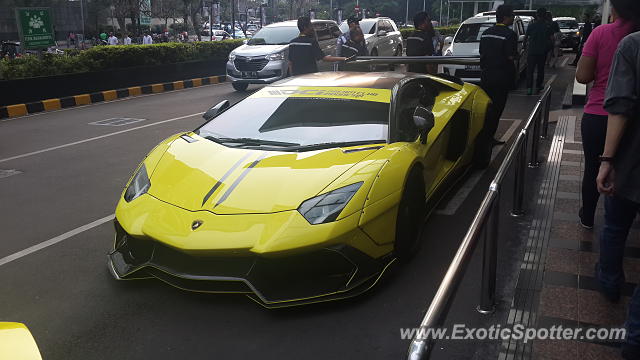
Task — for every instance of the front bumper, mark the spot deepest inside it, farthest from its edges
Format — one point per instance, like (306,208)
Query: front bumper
(466,74)
(324,274)
(270,73)
(570,41)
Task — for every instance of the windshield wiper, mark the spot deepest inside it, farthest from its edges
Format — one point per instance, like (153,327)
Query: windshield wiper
(329,145)
(249,141)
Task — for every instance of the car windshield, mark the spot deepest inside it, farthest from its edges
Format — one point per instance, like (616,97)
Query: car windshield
(471,33)
(304,121)
(567,24)
(280,35)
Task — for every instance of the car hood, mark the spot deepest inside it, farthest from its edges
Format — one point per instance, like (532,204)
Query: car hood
(566,31)
(204,175)
(465,49)
(259,50)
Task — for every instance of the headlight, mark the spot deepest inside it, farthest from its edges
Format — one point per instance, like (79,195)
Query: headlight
(276,56)
(232,56)
(448,52)
(139,185)
(326,207)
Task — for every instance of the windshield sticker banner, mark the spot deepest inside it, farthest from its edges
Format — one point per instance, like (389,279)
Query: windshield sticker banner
(364,94)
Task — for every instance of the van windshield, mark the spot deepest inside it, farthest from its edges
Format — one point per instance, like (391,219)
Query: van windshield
(280,35)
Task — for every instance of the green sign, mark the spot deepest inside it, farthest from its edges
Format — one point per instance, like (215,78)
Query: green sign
(145,11)
(35,27)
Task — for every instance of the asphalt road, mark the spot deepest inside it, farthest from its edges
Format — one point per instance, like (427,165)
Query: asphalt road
(67,179)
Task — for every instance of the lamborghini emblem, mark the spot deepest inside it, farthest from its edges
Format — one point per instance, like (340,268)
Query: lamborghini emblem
(196,224)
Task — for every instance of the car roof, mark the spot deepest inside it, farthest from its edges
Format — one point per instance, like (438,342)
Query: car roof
(374,80)
(294,23)
(564,18)
(480,19)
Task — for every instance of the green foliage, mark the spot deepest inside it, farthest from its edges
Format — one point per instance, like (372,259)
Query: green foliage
(114,57)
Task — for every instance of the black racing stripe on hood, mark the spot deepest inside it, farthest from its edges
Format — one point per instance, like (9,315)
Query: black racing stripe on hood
(224,177)
(239,179)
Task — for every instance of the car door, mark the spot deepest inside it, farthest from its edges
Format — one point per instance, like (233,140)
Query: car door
(383,36)
(395,38)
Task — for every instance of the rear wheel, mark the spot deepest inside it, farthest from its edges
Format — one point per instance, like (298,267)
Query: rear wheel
(373,68)
(398,52)
(411,213)
(240,86)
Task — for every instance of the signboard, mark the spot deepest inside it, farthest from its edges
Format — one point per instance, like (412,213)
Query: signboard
(35,28)
(145,12)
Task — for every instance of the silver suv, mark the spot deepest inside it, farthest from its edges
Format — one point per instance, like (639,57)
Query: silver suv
(264,59)
(381,35)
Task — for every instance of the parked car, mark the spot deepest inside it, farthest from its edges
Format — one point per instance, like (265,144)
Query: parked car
(381,35)
(466,42)
(570,32)
(264,59)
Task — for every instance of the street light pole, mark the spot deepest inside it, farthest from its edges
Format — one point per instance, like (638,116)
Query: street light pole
(406,17)
(424,5)
(233,19)
(81,19)
(530,4)
(440,23)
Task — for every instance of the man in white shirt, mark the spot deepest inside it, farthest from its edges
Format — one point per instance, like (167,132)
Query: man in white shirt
(113,40)
(126,40)
(147,40)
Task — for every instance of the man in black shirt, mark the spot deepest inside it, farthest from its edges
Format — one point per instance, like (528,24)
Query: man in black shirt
(538,39)
(498,50)
(354,46)
(420,43)
(619,177)
(304,51)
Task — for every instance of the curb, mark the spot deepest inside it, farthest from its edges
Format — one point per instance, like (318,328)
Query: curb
(101,96)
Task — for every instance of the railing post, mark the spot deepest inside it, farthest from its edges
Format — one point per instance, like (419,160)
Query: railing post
(518,186)
(547,108)
(490,257)
(535,141)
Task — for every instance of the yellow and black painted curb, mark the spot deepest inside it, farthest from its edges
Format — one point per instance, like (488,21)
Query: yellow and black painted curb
(100,96)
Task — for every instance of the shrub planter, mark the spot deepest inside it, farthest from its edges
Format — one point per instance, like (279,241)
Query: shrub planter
(47,87)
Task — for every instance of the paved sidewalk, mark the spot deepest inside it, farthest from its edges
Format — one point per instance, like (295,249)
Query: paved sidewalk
(568,295)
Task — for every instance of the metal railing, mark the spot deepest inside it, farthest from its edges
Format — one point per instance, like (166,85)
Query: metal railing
(485,227)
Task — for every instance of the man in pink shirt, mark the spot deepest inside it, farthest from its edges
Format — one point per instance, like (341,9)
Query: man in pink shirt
(594,65)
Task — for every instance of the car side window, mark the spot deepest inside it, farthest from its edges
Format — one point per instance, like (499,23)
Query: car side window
(387,26)
(373,29)
(520,28)
(335,31)
(322,32)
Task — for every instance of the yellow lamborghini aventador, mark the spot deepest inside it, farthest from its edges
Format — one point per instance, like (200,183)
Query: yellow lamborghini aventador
(305,191)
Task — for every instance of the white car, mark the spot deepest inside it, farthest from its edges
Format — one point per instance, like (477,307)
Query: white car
(219,35)
(466,42)
(381,36)
(570,30)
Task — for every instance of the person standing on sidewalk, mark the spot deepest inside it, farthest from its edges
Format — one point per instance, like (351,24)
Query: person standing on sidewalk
(147,39)
(498,51)
(594,66)
(584,36)
(354,23)
(113,40)
(538,39)
(305,52)
(420,43)
(619,178)
(126,40)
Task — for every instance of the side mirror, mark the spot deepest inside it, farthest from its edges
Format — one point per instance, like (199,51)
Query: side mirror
(216,110)
(448,40)
(382,33)
(424,121)
(521,38)
(245,41)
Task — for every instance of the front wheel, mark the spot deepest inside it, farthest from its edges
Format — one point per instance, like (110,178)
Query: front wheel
(240,86)
(411,213)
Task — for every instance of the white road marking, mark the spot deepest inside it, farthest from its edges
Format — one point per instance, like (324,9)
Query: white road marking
(7,173)
(109,102)
(116,121)
(95,138)
(565,61)
(571,129)
(461,195)
(30,250)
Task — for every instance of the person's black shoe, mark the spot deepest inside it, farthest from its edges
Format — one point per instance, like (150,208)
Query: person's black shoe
(573,64)
(497,142)
(585,223)
(611,294)
(630,352)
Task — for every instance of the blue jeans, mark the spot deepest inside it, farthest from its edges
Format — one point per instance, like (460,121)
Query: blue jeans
(619,216)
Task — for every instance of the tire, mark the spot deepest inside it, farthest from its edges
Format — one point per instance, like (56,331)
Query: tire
(411,213)
(240,86)
(398,52)
(373,68)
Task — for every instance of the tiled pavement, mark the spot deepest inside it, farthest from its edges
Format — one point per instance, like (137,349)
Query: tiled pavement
(568,295)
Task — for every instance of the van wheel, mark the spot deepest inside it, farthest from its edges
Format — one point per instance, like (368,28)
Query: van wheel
(240,86)
(411,213)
